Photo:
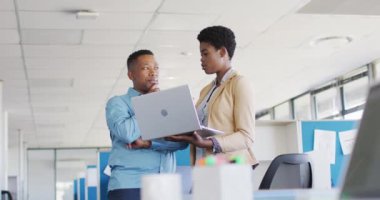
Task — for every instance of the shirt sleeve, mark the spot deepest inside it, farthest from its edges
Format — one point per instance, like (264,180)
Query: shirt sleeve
(163,145)
(120,121)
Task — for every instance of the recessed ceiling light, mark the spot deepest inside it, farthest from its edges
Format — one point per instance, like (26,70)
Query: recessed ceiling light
(87,14)
(186,53)
(331,41)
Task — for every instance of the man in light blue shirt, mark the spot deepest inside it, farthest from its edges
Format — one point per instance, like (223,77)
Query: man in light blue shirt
(131,157)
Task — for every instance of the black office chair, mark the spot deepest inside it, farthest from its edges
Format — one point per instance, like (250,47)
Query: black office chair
(5,194)
(288,171)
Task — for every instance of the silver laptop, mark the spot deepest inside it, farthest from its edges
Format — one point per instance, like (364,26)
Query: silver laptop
(362,179)
(168,112)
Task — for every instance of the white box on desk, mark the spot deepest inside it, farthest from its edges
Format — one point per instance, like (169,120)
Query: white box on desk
(223,182)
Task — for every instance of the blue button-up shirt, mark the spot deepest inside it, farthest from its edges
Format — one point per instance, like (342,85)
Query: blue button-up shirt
(128,165)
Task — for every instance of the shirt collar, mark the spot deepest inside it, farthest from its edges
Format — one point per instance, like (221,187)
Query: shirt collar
(226,76)
(132,92)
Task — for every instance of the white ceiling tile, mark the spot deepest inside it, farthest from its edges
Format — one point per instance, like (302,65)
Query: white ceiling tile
(342,7)
(6,74)
(77,51)
(74,73)
(187,22)
(75,63)
(51,83)
(258,17)
(119,37)
(327,23)
(51,37)
(195,6)
(62,20)
(50,110)
(6,5)
(7,20)
(48,99)
(97,5)
(9,36)
(17,83)
(170,39)
(7,51)
(23,125)
(11,63)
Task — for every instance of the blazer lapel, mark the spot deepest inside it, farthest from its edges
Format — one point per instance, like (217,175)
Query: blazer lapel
(218,92)
(203,94)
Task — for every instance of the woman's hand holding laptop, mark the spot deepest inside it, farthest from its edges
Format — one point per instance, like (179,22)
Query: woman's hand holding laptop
(193,138)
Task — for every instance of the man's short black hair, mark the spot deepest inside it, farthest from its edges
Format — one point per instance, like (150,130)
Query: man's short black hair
(133,57)
(219,36)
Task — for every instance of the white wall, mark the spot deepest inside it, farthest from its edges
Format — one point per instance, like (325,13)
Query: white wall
(13,161)
(41,177)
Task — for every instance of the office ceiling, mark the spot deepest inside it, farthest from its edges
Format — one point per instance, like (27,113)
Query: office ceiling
(58,71)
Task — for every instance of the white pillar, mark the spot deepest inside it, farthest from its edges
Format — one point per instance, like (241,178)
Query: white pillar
(5,150)
(3,162)
(22,169)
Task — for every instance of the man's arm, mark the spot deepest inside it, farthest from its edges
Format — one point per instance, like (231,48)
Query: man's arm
(164,145)
(121,124)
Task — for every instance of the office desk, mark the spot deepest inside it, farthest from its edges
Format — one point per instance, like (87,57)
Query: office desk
(296,194)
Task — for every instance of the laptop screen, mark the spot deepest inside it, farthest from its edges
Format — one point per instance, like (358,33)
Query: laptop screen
(363,174)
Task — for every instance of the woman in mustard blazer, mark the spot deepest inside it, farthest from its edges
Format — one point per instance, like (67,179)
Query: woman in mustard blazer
(226,104)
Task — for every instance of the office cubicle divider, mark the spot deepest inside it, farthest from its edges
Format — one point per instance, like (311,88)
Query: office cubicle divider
(75,189)
(103,157)
(91,182)
(82,188)
(182,157)
(308,128)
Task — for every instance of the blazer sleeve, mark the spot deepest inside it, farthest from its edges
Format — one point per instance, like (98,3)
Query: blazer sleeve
(243,117)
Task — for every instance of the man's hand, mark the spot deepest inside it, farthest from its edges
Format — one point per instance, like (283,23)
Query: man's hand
(154,88)
(193,138)
(139,144)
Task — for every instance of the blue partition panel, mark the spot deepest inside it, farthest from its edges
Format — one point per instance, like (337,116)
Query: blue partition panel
(82,187)
(183,157)
(75,189)
(103,179)
(91,183)
(308,128)
(92,195)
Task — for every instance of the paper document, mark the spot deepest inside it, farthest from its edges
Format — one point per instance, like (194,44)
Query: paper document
(347,140)
(207,132)
(325,141)
(320,165)
(107,170)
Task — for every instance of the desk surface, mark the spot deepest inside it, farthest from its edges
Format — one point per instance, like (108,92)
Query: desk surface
(297,194)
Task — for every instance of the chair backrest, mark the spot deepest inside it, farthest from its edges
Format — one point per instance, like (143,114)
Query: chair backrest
(6,195)
(291,170)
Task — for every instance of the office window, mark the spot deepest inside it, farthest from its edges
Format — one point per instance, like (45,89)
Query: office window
(377,71)
(282,111)
(354,115)
(302,107)
(327,103)
(265,117)
(355,92)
